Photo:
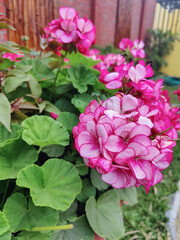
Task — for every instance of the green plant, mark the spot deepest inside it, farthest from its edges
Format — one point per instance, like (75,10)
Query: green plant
(158,45)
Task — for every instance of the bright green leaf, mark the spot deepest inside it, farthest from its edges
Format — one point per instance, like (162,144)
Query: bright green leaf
(128,194)
(14,156)
(5,111)
(81,231)
(5,233)
(51,108)
(81,101)
(97,181)
(87,191)
(6,63)
(78,58)
(6,136)
(43,131)
(69,120)
(33,236)
(35,87)
(13,82)
(25,216)
(81,77)
(54,185)
(105,216)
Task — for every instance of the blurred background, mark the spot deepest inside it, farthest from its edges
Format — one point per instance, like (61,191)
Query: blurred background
(114,20)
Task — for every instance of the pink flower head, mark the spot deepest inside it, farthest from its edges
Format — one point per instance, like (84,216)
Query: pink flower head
(13,56)
(111,80)
(125,43)
(137,50)
(119,139)
(67,13)
(177,92)
(149,70)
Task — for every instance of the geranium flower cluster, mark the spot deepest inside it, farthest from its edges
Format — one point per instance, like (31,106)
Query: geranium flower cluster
(129,137)
(71,29)
(136,48)
(13,56)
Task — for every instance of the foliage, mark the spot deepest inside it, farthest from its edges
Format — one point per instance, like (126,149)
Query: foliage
(157,46)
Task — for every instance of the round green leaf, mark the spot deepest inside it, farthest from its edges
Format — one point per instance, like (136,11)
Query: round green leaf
(81,230)
(5,111)
(33,236)
(6,136)
(81,101)
(43,131)
(69,120)
(127,194)
(87,191)
(5,233)
(23,216)
(81,77)
(105,216)
(14,156)
(55,184)
(97,181)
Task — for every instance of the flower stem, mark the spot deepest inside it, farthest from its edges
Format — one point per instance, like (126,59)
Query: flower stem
(51,228)
(161,133)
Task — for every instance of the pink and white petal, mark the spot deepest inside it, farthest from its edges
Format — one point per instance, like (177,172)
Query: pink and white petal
(66,38)
(132,74)
(140,129)
(59,33)
(71,26)
(152,113)
(71,13)
(143,110)
(91,127)
(148,168)
(136,169)
(125,129)
(86,137)
(159,157)
(139,149)
(101,132)
(111,76)
(81,24)
(122,181)
(63,12)
(153,152)
(114,84)
(88,26)
(158,177)
(129,103)
(140,71)
(105,164)
(110,177)
(146,121)
(144,140)
(90,150)
(114,144)
(113,103)
(124,155)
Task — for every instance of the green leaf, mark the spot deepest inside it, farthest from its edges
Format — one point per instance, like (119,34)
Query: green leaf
(81,167)
(62,89)
(70,214)
(35,87)
(54,185)
(53,150)
(39,70)
(4,25)
(87,191)
(15,72)
(5,233)
(6,63)
(23,215)
(105,216)
(13,82)
(81,231)
(6,136)
(78,58)
(81,77)
(51,108)
(128,194)
(5,111)
(14,156)
(69,120)
(33,236)
(6,48)
(43,131)
(65,105)
(97,181)
(81,101)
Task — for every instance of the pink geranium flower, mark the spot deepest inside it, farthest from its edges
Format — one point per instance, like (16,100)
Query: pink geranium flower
(137,73)
(137,50)
(125,43)
(13,56)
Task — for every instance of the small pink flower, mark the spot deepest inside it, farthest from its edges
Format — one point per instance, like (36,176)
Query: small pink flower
(137,50)
(125,43)
(13,56)
(137,73)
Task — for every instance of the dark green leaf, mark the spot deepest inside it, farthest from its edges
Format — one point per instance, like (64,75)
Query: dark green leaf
(53,150)
(81,101)
(6,136)
(87,191)
(65,105)
(128,194)
(97,181)
(69,120)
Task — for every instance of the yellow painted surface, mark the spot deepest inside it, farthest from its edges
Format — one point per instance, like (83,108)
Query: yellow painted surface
(169,21)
